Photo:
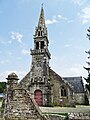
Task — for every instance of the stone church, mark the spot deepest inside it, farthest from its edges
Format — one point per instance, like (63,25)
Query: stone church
(44,84)
(41,86)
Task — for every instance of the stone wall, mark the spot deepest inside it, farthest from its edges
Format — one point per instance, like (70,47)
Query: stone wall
(57,83)
(21,106)
(18,103)
(24,83)
(71,116)
(79,116)
(79,98)
(55,117)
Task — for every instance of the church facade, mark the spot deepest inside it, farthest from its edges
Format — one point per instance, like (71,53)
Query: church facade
(45,85)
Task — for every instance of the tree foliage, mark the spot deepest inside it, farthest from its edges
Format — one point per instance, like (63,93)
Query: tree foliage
(88,82)
(2,86)
(88,63)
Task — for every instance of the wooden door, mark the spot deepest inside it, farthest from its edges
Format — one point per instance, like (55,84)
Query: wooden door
(38,97)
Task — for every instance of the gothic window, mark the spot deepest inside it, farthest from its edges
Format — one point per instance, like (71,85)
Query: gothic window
(37,45)
(63,91)
(42,44)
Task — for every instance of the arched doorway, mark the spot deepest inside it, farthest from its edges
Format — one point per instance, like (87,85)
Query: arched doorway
(38,97)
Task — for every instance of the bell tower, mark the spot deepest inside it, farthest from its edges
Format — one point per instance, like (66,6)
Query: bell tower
(41,39)
(39,74)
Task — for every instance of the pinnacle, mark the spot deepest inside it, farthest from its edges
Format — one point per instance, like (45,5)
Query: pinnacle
(41,19)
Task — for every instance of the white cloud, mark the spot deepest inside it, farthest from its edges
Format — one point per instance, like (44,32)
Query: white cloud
(55,19)
(17,36)
(66,70)
(51,21)
(85,15)
(4,75)
(79,2)
(61,17)
(68,45)
(74,70)
(24,52)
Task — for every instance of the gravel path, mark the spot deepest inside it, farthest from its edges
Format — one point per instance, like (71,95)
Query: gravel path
(78,109)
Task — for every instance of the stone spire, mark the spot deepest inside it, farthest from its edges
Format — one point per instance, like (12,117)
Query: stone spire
(41,29)
(41,19)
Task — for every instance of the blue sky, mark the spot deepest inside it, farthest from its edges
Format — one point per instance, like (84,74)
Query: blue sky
(67,22)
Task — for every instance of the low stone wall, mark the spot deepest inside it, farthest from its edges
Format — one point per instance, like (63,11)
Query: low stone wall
(71,116)
(79,116)
(20,106)
(54,117)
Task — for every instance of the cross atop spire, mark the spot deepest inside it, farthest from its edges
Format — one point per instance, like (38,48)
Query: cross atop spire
(42,4)
(41,19)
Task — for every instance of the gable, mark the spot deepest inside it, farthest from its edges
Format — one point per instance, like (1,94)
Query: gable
(25,81)
(57,77)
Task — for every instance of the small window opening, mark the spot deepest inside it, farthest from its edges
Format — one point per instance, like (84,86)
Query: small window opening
(40,28)
(63,92)
(42,44)
(41,33)
(37,45)
(38,33)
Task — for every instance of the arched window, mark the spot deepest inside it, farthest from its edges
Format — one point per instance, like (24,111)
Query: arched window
(63,91)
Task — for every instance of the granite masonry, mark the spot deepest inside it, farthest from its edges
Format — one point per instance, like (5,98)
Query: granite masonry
(41,86)
(45,85)
(18,103)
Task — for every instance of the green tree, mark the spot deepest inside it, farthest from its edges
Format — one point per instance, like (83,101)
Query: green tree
(2,86)
(88,63)
(88,82)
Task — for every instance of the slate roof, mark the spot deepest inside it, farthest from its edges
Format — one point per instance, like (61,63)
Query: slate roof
(76,83)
